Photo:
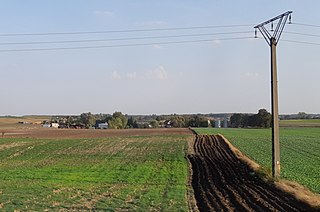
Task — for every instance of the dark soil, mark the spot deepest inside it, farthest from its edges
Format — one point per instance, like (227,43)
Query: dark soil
(222,182)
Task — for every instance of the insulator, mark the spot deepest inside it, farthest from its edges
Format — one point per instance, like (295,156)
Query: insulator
(271,26)
(290,19)
(255,33)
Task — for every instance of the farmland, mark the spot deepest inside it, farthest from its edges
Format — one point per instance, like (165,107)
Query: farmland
(23,122)
(123,172)
(300,123)
(223,182)
(300,151)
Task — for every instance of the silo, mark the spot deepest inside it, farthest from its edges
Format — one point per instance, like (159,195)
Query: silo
(225,123)
(217,123)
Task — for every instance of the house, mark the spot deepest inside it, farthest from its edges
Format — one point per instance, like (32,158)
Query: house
(46,125)
(54,125)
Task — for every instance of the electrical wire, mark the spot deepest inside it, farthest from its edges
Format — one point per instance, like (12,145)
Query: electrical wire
(125,31)
(124,39)
(121,45)
(294,41)
(307,25)
(301,42)
(298,33)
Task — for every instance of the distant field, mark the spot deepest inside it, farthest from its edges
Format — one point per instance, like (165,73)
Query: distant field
(133,173)
(30,122)
(300,151)
(300,123)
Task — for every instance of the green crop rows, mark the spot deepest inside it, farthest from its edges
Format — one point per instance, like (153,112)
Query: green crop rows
(125,173)
(300,151)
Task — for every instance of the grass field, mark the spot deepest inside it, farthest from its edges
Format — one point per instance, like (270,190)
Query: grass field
(135,173)
(300,151)
(300,123)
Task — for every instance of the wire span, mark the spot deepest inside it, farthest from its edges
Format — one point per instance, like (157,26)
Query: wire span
(125,31)
(124,39)
(301,42)
(305,34)
(306,25)
(122,45)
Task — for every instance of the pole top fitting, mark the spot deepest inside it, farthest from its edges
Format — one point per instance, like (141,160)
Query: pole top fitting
(276,33)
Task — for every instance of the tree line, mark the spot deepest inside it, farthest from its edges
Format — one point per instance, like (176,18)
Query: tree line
(118,120)
(260,120)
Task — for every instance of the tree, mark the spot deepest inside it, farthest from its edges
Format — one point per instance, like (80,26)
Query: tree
(263,119)
(118,121)
(115,123)
(236,120)
(178,121)
(198,121)
(132,123)
(87,119)
(302,115)
(154,124)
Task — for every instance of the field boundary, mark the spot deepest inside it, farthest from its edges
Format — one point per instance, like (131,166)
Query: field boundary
(192,203)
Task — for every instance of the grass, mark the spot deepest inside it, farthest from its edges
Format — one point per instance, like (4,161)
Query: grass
(139,173)
(300,151)
(300,123)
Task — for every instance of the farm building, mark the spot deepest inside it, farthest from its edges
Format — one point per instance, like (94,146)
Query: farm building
(103,125)
(217,124)
(46,125)
(54,125)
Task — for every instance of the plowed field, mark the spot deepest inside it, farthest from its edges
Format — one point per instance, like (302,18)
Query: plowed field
(222,182)
(88,133)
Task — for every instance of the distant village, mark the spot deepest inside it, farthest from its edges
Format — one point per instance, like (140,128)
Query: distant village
(123,121)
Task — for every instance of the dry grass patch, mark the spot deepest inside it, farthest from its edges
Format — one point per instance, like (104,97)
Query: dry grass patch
(11,145)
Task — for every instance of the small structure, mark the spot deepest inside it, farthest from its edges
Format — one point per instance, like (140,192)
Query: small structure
(168,124)
(46,125)
(225,123)
(54,125)
(217,124)
(103,125)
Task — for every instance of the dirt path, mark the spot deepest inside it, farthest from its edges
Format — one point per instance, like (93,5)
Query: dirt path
(221,182)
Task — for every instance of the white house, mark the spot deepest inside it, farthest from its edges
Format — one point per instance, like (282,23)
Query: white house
(54,125)
(103,125)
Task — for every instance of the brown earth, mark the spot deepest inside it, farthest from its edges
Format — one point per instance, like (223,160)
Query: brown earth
(222,182)
(88,133)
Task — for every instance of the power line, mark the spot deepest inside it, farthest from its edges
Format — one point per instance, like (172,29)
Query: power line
(296,41)
(125,31)
(307,25)
(121,45)
(302,42)
(305,34)
(124,39)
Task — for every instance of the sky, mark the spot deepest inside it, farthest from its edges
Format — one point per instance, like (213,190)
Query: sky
(204,59)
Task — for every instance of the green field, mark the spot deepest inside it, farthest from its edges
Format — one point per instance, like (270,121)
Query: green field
(137,173)
(300,123)
(300,151)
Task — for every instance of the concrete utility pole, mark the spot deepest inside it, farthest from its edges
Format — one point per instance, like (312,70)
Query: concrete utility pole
(272,40)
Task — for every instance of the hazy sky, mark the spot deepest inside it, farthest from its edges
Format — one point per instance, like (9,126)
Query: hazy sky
(164,77)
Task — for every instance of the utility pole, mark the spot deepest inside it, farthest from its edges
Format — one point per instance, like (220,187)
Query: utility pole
(272,40)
